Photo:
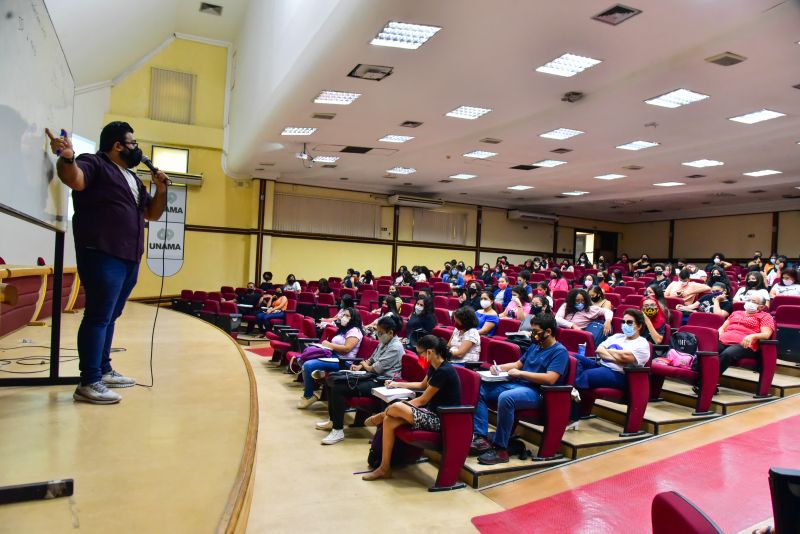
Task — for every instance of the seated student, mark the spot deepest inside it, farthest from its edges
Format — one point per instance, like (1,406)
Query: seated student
(781,263)
(599,298)
(440,387)
(465,343)
(351,279)
(754,285)
(367,278)
(788,286)
(626,348)
(770,264)
(472,296)
(485,275)
(557,281)
(393,311)
(487,316)
(323,287)
(718,259)
(756,261)
(696,274)
(392,294)
(524,280)
(408,279)
(718,274)
(519,306)
(544,363)
(469,275)
(655,293)
(501,295)
(346,302)
(685,289)
(253,300)
(740,333)
(266,285)
(656,320)
(292,284)
(583,261)
(625,260)
(421,322)
(276,310)
(344,344)
(615,279)
(400,278)
(661,280)
(578,313)
(602,281)
(497,273)
(420,275)
(386,361)
(566,267)
(589,280)
(601,264)
(642,265)
(543,289)
(454,277)
(717,302)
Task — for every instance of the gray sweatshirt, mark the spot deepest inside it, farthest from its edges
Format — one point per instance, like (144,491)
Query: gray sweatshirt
(387,359)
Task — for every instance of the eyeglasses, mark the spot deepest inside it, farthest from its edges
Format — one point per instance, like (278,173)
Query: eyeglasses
(629,322)
(134,143)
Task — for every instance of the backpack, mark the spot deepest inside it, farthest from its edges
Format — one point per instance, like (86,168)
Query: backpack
(402,452)
(683,348)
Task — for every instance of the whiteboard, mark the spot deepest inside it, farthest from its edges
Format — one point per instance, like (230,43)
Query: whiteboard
(36,91)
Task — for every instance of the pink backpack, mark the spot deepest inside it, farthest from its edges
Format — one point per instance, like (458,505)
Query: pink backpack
(676,358)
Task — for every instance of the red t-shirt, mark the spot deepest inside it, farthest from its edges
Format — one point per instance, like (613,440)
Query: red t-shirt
(741,324)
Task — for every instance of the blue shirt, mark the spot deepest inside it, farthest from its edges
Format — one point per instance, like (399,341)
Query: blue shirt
(539,360)
(506,296)
(484,318)
(456,280)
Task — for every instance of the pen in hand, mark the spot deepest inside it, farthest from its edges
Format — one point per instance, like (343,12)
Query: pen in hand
(495,369)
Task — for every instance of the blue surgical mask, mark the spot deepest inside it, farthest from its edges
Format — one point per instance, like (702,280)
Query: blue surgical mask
(628,329)
(454,272)
(579,306)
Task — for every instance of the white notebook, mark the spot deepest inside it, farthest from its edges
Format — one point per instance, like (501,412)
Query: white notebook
(487,376)
(392,394)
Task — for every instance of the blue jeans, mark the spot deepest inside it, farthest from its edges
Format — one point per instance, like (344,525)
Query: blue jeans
(510,397)
(108,282)
(591,374)
(263,318)
(315,365)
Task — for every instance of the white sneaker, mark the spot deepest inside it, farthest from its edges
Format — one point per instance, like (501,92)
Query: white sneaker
(334,437)
(324,425)
(96,393)
(304,402)
(116,380)
(319,374)
(573,426)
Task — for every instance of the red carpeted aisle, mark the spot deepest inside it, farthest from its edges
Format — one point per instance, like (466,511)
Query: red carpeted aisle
(727,479)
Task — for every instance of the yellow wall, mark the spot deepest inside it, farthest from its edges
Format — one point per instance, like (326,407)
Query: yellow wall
(433,258)
(736,236)
(405,224)
(513,259)
(649,237)
(498,231)
(312,259)
(789,234)
(566,239)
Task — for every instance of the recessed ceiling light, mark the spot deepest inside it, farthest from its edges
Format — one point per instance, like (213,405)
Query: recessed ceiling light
(575,193)
(520,187)
(463,176)
(396,138)
(468,112)
(561,133)
(549,163)
(765,172)
(676,99)
(326,159)
(336,97)
(703,163)
(568,65)
(480,154)
(404,35)
(402,170)
(757,116)
(669,184)
(637,145)
(294,130)
(610,176)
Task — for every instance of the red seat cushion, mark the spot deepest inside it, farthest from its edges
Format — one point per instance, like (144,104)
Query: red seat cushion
(272,336)
(535,416)
(280,345)
(748,362)
(609,393)
(420,438)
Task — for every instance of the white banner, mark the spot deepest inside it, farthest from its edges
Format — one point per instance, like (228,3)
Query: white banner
(165,237)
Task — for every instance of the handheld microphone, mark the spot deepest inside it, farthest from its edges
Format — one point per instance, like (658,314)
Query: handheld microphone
(149,164)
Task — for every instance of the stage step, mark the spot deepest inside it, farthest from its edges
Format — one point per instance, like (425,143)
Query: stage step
(746,380)
(725,402)
(788,368)
(660,417)
(251,341)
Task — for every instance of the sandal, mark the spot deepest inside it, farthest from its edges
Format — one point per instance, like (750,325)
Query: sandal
(374,420)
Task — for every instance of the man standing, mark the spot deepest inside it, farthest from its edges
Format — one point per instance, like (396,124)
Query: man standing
(111,205)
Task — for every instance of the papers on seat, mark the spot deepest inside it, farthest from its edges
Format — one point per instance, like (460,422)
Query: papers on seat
(487,376)
(245,305)
(392,394)
(329,360)
(319,346)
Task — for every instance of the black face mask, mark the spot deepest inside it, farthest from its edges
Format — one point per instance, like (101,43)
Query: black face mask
(751,283)
(536,310)
(132,158)
(250,290)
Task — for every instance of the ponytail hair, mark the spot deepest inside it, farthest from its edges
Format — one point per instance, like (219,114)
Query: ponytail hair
(437,344)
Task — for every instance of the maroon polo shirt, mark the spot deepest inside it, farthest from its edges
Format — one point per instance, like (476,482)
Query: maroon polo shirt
(106,215)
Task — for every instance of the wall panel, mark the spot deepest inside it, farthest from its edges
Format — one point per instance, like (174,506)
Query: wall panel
(314,258)
(736,236)
(498,231)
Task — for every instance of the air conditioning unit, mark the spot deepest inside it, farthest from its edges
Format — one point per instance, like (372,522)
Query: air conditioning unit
(517,215)
(415,202)
(195,180)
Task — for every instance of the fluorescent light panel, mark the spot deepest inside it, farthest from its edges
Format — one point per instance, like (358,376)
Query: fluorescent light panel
(757,116)
(294,130)
(575,193)
(326,159)
(480,154)
(676,99)
(549,163)
(700,163)
(765,172)
(561,133)
(468,112)
(404,35)
(610,176)
(669,184)
(637,145)
(463,176)
(568,65)
(336,97)
(396,138)
(520,187)
(402,170)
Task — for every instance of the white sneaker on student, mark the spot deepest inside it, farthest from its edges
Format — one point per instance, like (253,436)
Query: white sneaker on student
(305,402)
(334,437)
(116,380)
(319,374)
(324,425)
(96,393)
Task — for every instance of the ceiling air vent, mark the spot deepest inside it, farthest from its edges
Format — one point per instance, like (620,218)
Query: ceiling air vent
(370,72)
(796,86)
(722,194)
(757,191)
(560,196)
(356,149)
(268,164)
(323,116)
(633,167)
(729,181)
(410,124)
(726,59)
(445,181)
(561,150)
(695,176)
(210,9)
(616,14)
(329,166)
(790,196)
(706,202)
(344,178)
(491,140)
(524,167)
(651,211)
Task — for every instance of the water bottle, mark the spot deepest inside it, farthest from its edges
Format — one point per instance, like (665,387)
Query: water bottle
(582,349)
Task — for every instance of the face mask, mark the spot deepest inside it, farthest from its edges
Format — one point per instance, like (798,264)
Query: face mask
(579,306)
(485,269)
(454,272)
(773,260)
(385,338)
(419,309)
(717,292)
(250,289)
(788,281)
(469,271)
(540,292)
(132,158)
(659,273)
(502,285)
(628,329)
(587,283)
(751,283)
(750,307)
(650,311)
(757,256)
(393,293)
(539,338)
(600,278)
(716,260)
(344,321)
(536,310)
(485,303)
(645,259)
(684,282)
(595,298)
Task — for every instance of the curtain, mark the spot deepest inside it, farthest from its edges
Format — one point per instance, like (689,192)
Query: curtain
(440,227)
(326,216)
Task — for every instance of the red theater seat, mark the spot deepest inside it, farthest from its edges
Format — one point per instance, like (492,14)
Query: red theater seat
(672,513)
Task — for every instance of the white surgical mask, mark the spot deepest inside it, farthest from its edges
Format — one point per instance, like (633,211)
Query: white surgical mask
(485,303)
(716,260)
(587,283)
(419,309)
(344,321)
(750,307)
(787,281)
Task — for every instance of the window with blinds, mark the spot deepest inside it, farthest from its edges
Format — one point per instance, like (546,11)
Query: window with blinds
(326,216)
(172,96)
(440,227)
